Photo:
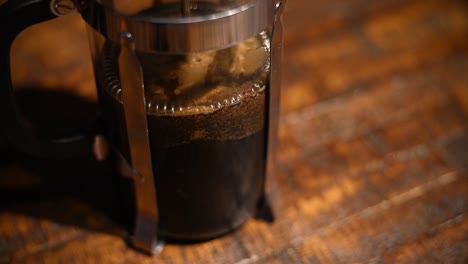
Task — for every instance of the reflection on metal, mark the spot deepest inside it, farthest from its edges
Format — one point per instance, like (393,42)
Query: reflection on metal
(190,33)
(273,104)
(133,97)
(62,7)
(185,6)
(100,147)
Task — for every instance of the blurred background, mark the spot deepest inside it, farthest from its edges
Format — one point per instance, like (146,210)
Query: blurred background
(372,138)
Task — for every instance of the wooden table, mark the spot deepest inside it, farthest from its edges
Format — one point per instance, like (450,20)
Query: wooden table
(373,147)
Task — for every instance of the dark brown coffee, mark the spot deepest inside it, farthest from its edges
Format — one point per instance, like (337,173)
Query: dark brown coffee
(208,168)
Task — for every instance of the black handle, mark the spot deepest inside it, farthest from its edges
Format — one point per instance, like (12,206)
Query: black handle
(15,16)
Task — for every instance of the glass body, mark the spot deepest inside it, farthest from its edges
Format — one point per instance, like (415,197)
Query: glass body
(207,130)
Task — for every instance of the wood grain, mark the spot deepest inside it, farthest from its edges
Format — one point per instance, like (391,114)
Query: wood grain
(373,144)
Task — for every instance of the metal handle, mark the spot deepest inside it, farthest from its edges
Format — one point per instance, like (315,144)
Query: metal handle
(15,16)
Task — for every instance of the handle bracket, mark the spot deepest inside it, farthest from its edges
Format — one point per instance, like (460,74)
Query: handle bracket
(133,98)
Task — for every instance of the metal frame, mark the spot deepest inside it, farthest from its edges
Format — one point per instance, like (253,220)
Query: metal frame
(133,98)
(273,103)
(185,34)
(139,168)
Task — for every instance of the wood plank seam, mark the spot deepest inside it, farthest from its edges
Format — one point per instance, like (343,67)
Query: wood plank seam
(387,204)
(43,247)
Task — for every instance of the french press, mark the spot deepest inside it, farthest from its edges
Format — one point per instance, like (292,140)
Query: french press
(189,99)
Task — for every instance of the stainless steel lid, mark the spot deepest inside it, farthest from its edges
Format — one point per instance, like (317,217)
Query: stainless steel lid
(180,26)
